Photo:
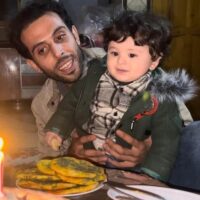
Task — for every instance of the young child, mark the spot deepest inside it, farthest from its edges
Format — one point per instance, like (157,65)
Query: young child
(132,94)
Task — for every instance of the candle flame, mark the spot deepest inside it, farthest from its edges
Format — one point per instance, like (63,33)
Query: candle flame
(1,143)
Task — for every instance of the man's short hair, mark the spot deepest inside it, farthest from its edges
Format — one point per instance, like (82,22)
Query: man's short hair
(29,14)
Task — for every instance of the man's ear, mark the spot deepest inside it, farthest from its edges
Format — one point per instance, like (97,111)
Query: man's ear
(75,34)
(155,63)
(33,65)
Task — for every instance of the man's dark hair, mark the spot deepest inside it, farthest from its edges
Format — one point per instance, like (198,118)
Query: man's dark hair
(29,14)
(145,28)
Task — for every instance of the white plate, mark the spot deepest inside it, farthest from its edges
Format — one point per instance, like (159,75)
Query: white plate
(82,193)
(167,193)
(72,195)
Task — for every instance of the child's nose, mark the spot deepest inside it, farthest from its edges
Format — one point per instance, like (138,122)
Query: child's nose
(121,60)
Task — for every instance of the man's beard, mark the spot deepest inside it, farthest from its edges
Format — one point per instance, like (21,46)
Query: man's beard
(77,59)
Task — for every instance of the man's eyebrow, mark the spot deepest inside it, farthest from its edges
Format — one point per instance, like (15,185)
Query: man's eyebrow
(56,30)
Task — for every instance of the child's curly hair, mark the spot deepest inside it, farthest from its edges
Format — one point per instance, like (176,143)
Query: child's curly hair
(144,27)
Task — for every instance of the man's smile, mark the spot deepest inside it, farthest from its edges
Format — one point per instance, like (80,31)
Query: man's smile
(66,65)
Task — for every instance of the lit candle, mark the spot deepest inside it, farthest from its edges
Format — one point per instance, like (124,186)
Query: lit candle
(1,168)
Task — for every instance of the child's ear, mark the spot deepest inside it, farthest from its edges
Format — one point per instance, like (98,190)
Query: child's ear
(155,63)
(33,65)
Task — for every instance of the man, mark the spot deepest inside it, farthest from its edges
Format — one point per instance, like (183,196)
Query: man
(44,34)
(46,37)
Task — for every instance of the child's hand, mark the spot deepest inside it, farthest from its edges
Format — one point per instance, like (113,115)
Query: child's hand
(53,140)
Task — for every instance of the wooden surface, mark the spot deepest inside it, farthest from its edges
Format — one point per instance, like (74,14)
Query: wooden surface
(184,52)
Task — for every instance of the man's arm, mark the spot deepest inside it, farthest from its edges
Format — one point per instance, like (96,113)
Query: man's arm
(184,113)
(42,109)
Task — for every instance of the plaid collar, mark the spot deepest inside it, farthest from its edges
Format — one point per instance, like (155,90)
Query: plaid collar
(132,88)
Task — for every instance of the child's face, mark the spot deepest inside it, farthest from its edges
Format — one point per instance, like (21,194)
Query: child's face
(127,62)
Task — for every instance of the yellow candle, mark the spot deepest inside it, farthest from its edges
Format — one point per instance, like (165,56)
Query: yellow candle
(1,167)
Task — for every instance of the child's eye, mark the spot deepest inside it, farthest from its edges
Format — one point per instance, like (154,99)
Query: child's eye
(132,55)
(114,53)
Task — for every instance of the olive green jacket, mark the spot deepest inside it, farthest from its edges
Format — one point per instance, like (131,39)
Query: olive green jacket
(164,124)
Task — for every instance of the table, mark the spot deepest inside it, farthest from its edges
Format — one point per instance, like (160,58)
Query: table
(10,181)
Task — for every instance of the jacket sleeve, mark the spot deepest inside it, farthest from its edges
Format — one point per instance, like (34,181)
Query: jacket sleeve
(166,128)
(63,120)
(42,109)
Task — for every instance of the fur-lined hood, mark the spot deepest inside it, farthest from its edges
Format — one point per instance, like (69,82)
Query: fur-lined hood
(172,86)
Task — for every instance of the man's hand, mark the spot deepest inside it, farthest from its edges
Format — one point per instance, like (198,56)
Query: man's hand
(128,157)
(76,149)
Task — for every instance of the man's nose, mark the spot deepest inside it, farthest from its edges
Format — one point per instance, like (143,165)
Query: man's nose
(58,51)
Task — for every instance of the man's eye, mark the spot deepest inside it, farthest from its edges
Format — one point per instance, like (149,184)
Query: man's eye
(42,51)
(132,55)
(61,37)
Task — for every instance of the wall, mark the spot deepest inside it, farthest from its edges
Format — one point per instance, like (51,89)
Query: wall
(17,79)
(74,8)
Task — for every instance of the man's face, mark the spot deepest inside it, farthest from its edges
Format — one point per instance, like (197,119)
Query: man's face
(53,47)
(127,62)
